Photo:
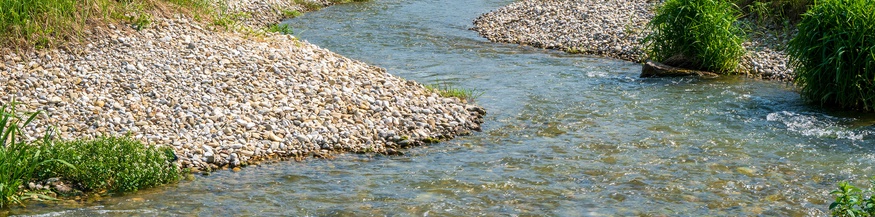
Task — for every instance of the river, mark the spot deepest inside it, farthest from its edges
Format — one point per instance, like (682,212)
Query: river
(565,135)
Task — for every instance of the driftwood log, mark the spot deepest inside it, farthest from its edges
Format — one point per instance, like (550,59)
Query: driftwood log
(653,69)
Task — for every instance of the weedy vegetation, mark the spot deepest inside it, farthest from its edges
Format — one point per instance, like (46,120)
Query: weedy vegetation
(446,90)
(280,28)
(774,11)
(700,32)
(116,164)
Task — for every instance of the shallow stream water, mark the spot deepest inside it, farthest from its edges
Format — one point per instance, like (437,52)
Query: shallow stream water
(565,135)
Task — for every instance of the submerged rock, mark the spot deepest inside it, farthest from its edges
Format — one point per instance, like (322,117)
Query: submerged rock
(746,171)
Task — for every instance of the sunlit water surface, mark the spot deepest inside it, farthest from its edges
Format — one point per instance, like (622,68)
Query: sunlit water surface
(566,135)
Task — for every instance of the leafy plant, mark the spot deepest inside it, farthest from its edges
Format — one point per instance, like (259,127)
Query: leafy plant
(851,201)
(118,164)
(700,32)
(141,21)
(834,54)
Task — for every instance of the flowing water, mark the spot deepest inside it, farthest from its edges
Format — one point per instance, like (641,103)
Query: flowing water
(566,135)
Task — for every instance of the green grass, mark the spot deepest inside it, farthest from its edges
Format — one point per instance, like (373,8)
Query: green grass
(833,54)
(446,90)
(25,21)
(280,28)
(44,23)
(702,32)
(28,24)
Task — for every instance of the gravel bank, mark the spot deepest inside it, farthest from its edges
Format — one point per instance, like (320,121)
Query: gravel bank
(224,98)
(609,28)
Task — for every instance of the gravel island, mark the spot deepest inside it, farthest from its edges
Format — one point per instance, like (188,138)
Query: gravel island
(225,98)
(608,28)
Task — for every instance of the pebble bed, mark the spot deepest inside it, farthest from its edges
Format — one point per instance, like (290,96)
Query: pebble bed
(221,98)
(609,28)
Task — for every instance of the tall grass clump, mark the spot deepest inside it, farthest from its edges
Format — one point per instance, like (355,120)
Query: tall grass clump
(702,33)
(18,158)
(117,164)
(834,54)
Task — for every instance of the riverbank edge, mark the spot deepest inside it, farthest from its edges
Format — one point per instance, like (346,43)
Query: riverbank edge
(615,29)
(431,119)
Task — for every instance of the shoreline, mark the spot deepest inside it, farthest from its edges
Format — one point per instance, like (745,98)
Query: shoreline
(226,98)
(611,29)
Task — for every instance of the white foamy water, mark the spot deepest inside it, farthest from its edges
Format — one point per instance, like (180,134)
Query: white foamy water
(816,125)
